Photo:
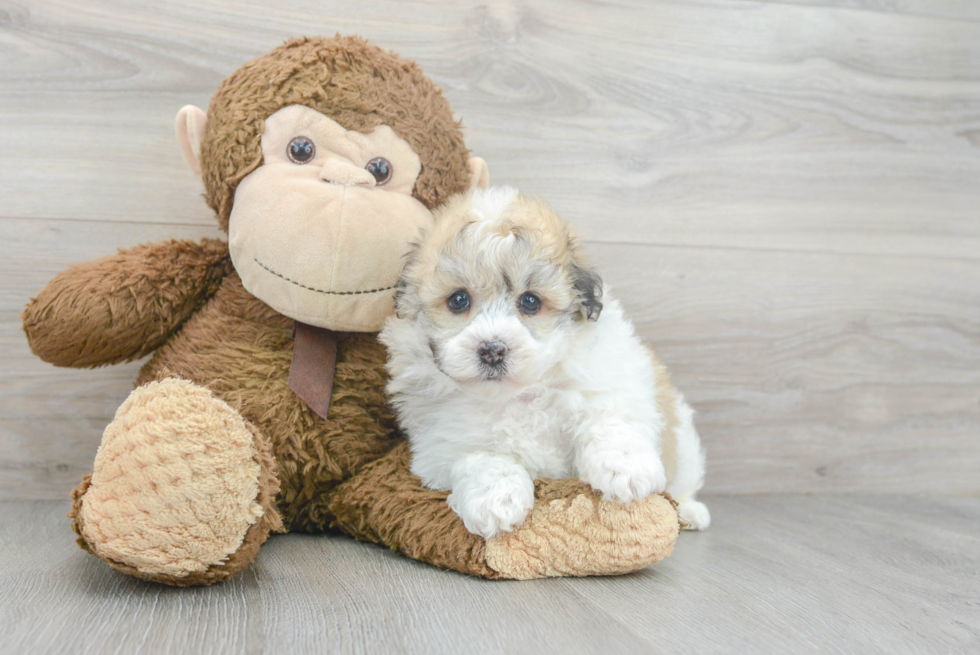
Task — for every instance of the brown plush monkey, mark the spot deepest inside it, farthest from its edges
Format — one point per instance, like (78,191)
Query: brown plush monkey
(263,405)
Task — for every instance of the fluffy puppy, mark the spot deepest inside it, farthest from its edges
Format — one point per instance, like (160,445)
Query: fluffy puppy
(509,361)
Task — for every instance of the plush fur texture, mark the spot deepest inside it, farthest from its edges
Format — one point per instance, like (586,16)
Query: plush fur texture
(241,349)
(156,538)
(570,531)
(568,391)
(124,306)
(320,241)
(347,79)
(221,361)
(171,446)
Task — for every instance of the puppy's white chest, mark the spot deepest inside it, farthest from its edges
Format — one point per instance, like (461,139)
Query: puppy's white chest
(534,429)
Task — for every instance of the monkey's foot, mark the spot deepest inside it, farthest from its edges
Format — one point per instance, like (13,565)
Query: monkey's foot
(183,490)
(572,532)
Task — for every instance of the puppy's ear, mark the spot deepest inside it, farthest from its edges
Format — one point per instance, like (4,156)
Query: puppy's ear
(588,289)
(407,302)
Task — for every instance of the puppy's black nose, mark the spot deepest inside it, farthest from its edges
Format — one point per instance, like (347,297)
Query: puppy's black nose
(492,353)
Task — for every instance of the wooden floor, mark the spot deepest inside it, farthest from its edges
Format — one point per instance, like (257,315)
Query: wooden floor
(776,574)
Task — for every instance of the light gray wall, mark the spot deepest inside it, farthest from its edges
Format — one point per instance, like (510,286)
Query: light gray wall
(786,196)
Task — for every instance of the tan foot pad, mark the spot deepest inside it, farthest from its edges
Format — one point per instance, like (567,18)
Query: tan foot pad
(176,482)
(578,535)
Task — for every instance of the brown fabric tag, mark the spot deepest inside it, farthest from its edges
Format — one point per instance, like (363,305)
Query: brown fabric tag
(312,369)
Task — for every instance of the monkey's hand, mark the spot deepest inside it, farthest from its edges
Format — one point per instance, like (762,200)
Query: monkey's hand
(124,306)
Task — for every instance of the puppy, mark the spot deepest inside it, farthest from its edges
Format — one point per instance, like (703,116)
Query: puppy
(509,361)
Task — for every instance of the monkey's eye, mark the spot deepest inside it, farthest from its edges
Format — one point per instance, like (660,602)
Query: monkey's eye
(458,301)
(380,168)
(530,303)
(301,150)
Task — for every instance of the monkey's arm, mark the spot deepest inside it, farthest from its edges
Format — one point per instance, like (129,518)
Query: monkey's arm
(570,531)
(124,306)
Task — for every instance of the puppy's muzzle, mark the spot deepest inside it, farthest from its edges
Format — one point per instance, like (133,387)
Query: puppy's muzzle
(492,353)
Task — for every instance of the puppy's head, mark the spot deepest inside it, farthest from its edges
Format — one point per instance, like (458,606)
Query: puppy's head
(498,288)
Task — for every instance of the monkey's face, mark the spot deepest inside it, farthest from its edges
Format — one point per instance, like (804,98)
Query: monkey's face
(319,230)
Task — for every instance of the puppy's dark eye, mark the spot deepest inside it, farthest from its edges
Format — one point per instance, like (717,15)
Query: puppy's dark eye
(301,150)
(530,303)
(381,169)
(458,301)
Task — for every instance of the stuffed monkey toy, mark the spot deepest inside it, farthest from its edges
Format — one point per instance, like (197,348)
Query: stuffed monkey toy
(262,408)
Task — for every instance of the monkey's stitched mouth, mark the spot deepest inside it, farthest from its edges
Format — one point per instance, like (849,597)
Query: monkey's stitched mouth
(323,291)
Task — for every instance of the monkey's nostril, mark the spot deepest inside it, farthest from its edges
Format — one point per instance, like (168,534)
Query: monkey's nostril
(344,174)
(492,353)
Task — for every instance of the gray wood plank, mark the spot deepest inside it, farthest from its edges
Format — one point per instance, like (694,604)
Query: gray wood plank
(821,574)
(811,372)
(956,9)
(773,574)
(52,419)
(734,124)
(783,194)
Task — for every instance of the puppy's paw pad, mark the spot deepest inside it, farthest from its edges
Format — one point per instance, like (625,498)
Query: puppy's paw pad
(695,514)
(624,476)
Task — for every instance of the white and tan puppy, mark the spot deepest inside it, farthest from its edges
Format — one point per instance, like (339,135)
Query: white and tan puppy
(509,362)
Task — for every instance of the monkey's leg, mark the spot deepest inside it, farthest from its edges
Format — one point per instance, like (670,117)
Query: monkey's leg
(183,490)
(570,531)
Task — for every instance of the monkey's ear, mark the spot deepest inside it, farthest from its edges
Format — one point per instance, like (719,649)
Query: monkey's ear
(588,288)
(190,134)
(479,173)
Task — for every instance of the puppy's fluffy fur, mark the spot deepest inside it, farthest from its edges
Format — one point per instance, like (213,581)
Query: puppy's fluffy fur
(495,389)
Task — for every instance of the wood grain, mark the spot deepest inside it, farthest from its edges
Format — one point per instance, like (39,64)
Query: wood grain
(782,574)
(783,194)
(958,9)
(816,372)
(812,372)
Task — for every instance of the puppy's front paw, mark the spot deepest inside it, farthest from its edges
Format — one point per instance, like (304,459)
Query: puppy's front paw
(497,507)
(622,475)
